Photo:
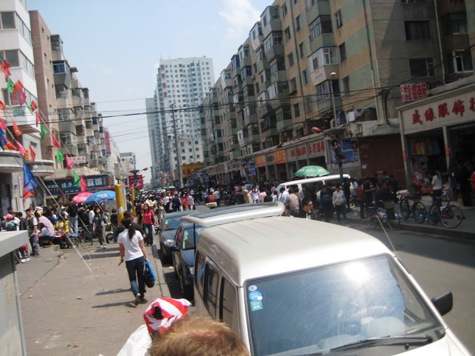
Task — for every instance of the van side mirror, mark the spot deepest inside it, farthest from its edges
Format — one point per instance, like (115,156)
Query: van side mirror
(443,303)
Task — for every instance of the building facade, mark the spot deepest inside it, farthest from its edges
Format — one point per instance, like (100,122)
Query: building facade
(343,67)
(173,116)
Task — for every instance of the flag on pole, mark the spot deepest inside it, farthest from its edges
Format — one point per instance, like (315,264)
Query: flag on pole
(21,149)
(2,105)
(69,162)
(3,125)
(77,180)
(59,156)
(16,129)
(83,185)
(10,85)
(32,154)
(10,146)
(22,97)
(43,132)
(3,140)
(38,118)
(5,66)
(33,105)
(29,181)
(55,141)
(17,86)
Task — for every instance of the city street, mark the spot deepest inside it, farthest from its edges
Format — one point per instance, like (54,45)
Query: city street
(83,306)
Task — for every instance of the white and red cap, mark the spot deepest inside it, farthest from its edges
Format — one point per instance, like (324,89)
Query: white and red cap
(163,312)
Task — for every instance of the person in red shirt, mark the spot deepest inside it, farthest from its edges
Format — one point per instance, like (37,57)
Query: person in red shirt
(148,220)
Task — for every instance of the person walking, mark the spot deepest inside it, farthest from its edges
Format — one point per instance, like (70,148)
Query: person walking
(326,203)
(339,202)
(360,199)
(132,250)
(72,211)
(32,224)
(148,220)
(97,227)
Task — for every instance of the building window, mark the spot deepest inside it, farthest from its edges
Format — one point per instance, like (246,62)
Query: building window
(346,85)
(454,23)
(293,85)
(290,59)
(338,19)
(323,91)
(284,10)
(296,110)
(305,77)
(287,34)
(459,61)
(417,30)
(342,49)
(302,50)
(421,67)
(298,23)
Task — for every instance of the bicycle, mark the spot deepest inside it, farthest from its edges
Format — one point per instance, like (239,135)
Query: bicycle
(383,213)
(449,215)
(417,210)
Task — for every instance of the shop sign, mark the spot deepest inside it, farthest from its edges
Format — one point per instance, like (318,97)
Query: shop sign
(316,149)
(413,92)
(449,111)
(270,158)
(78,159)
(66,185)
(261,161)
(295,152)
(279,157)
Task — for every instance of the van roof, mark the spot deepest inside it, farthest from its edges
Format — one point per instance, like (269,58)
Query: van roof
(314,179)
(236,213)
(263,247)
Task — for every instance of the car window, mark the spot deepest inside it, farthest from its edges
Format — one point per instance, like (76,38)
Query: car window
(190,241)
(172,223)
(332,306)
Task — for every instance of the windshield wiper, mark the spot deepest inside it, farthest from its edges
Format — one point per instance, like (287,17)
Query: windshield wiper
(406,341)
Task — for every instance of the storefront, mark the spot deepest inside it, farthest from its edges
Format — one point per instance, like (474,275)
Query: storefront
(438,134)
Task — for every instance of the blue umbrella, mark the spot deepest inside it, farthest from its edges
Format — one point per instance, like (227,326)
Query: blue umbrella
(103,195)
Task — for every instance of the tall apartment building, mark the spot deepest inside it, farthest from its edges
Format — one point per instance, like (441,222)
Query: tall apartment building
(174,115)
(17,49)
(341,66)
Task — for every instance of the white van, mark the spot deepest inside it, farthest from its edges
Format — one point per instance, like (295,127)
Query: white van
(292,286)
(332,179)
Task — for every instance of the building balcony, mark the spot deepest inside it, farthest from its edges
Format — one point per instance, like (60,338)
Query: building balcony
(279,76)
(320,8)
(10,161)
(67,126)
(265,109)
(41,168)
(262,65)
(272,23)
(275,51)
(78,101)
(71,149)
(250,119)
(323,73)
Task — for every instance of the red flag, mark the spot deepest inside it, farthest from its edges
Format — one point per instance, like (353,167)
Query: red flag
(33,105)
(55,141)
(17,86)
(10,146)
(27,194)
(83,184)
(69,162)
(5,65)
(22,97)
(33,154)
(38,118)
(3,125)
(21,149)
(16,129)
(2,105)
(8,74)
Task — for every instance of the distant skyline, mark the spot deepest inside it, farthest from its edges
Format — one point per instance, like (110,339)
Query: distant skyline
(116,46)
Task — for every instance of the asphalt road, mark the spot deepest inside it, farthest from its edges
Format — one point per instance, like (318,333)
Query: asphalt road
(440,265)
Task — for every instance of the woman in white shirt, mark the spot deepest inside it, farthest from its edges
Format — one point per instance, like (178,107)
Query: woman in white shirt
(132,249)
(436,186)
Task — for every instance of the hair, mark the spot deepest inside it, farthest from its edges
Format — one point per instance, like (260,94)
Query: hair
(306,200)
(198,336)
(127,222)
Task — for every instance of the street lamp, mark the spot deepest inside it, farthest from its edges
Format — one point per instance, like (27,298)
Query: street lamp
(132,186)
(332,94)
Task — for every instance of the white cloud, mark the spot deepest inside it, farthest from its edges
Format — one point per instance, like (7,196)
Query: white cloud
(240,16)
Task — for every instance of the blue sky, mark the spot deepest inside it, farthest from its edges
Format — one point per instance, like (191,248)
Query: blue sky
(117,44)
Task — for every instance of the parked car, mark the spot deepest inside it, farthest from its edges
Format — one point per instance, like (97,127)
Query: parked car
(183,255)
(292,286)
(167,234)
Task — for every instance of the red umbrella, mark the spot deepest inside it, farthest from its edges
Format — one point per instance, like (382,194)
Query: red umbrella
(81,197)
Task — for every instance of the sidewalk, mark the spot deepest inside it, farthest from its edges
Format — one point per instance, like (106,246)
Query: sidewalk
(464,232)
(80,306)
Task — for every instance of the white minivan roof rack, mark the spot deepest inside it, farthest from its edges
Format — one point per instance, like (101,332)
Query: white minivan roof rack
(235,213)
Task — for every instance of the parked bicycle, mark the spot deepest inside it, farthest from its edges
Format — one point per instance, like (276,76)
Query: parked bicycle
(418,210)
(449,215)
(383,213)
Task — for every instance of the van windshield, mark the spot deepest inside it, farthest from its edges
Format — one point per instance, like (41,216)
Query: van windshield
(345,305)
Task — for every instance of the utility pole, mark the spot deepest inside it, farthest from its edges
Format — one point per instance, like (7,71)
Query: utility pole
(178,153)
